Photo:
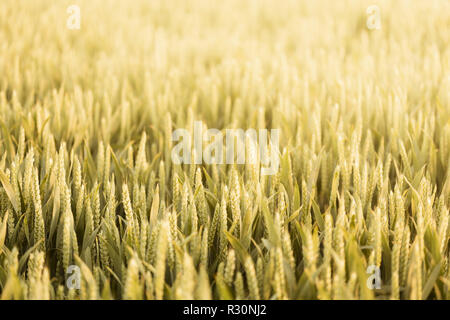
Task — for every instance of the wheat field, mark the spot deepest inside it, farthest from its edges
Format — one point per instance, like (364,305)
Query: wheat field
(86,175)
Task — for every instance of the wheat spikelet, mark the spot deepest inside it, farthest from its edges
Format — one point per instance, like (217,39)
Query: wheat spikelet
(162,180)
(203,288)
(252,281)
(239,286)
(395,266)
(204,253)
(100,161)
(230,267)
(21,145)
(27,177)
(287,249)
(160,261)
(141,161)
(96,206)
(104,255)
(129,215)
(132,288)
(416,273)
(185,198)
(15,183)
(35,269)
(310,251)
(404,256)
(77,177)
(328,247)
(66,247)
(186,288)
(443,229)
(377,236)
(200,200)
(107,164)
(223,227)
(235,194)
(39,225)
(334,186)
(172,238)
(279,275)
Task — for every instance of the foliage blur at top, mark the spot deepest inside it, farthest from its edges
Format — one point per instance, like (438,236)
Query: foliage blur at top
(86,177)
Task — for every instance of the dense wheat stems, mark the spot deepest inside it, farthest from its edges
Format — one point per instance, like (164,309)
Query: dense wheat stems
(88,182)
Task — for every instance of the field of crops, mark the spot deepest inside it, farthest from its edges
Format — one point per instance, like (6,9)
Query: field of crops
(92,205)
